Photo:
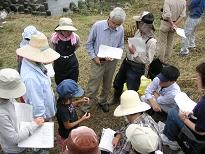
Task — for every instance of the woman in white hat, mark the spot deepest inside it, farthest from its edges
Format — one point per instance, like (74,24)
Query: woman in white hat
(65,42)
(134,112)
(11,87)
(34,75)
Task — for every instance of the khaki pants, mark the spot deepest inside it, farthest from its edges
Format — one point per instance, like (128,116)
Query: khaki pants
(165,41)
(102,73)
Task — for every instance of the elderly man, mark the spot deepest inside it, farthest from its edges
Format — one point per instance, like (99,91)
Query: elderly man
(108,32)
(173,13)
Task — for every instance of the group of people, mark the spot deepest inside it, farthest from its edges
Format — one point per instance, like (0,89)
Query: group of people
(141,133)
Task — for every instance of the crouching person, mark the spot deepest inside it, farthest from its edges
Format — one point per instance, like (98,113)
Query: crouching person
(134,112)
(11,87)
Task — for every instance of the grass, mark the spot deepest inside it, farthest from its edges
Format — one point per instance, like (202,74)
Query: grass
(10,37)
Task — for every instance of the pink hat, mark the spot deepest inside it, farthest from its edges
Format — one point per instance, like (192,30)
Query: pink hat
(82,140)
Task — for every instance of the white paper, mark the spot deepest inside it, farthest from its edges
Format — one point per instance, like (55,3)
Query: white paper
(43,137)
(138,43)
(111,52)
(24,112)
(50,70)
(106,140)
(184,102)
(180,32)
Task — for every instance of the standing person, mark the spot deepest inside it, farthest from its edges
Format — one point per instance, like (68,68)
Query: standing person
(196,9)
(133,66)
(65,42)
(11,87)
(173,13)
(133,110)
(66,108)
(108,32)
(176,118)
(34,75)
(26,36)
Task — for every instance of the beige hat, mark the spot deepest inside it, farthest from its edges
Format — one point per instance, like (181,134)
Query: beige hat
(143,139)
(130,103)
(10,84)
(145,16)
(82,140)
(38,50)
(65,24)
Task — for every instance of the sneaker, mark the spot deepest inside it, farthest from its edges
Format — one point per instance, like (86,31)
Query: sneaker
(104,107)
(184,52)
(173,145)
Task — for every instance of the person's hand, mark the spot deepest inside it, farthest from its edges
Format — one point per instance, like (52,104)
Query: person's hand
(96,60)
(108,59)
(174,27)
(85,100)
(132,49)
(115,141)
(156,107)
(156,94)
(86,116)
(182,115)
(39,121)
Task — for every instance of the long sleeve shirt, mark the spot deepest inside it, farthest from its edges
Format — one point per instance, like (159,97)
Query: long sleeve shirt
(38,90)
(166,94)
(174,9)
(196,8)
(10,135)
(147,56)
(101,34)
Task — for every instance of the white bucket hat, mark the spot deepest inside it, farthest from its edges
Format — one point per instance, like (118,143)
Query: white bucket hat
(143,139)
(130,103)
(10,84)
(38,50)
(66,24)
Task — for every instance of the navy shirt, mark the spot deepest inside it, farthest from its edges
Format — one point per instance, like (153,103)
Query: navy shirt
(65,113)
(198,112)
(196,8)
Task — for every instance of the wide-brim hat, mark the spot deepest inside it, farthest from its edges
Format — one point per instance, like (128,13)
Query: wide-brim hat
(65,24)
(38,50)
(143,139)
(10,84)
(145,16)
(130,104)
(82,140)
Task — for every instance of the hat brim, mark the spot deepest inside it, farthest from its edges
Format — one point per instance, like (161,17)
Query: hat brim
(36,55)
(141,107)
(17,92)
(79,93)
(68,28)
(137,18)
(162,78)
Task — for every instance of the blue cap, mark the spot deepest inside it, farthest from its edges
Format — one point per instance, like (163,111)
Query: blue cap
(69,88)
(162,78)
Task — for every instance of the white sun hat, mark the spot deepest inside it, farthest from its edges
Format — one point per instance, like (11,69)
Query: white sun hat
(10,84)
(38,50)
(66,24)
(143,139)
(130,103)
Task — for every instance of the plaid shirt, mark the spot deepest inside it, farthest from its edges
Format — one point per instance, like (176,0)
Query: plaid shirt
(125,147)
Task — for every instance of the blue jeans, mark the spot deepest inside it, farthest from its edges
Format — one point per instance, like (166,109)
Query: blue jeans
(129,73)
(173,124)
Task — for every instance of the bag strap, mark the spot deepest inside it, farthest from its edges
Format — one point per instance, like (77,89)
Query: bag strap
(148,39)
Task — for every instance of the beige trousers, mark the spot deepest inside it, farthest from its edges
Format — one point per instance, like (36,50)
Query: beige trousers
(165,41)
(102,73)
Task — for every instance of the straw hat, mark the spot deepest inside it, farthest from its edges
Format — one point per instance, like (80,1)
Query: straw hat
(10,84)
(130,103)
(65,24)
(38,50)
(143,139)
(82,140)
(145,16)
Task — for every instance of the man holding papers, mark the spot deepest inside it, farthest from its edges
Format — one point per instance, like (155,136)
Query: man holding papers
(108,32)
(141,52)
(10,135)
(176,118)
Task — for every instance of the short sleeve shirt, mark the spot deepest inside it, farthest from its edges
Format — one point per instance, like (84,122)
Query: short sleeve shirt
(65,113)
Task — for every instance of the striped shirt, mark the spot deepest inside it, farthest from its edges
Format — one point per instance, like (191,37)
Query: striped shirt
(101,33)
